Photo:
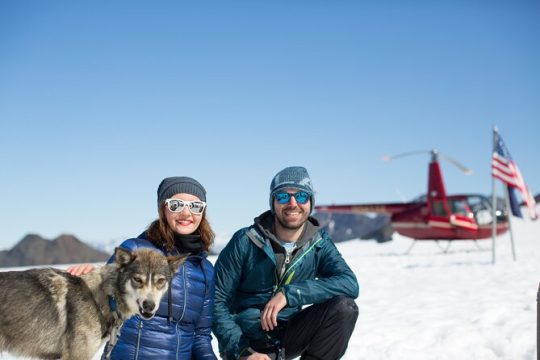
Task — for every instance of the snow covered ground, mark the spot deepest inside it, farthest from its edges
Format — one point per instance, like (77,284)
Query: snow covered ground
(430,305)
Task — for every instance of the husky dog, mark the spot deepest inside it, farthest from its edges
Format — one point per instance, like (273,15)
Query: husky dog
(50,314)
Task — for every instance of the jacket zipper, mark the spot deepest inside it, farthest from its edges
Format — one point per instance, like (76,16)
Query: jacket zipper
(139,339)
(177,341)
(185,292)
(293,265)
(286,262)
(183,311)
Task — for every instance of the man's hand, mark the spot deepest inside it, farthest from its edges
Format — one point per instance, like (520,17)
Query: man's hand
(258,356)
(271,310)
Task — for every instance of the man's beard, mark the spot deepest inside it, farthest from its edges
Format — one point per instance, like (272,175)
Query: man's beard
(291,225)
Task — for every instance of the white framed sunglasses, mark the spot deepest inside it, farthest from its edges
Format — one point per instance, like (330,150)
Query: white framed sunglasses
(178,205)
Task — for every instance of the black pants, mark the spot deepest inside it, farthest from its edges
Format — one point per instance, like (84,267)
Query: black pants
(321,331)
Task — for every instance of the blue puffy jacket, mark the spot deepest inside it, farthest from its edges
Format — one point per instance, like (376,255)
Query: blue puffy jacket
(188,336)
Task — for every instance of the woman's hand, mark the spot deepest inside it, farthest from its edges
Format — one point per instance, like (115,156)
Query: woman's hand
(79,270)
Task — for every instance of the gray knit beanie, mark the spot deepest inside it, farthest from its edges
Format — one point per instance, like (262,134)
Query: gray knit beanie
(179,184)
(295,177)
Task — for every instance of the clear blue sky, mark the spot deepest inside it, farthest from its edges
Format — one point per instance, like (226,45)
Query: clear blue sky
(99,100)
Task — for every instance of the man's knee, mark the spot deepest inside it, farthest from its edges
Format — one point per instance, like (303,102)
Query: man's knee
(344,307)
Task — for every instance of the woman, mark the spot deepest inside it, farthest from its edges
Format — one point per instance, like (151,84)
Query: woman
(181,328)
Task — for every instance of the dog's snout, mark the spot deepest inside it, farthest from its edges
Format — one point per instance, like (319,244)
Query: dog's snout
(148,305)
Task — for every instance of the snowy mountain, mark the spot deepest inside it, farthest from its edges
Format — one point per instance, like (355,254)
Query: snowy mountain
(35,250)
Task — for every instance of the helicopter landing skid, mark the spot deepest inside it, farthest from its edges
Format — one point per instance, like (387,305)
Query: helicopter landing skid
(478,246)
(410,248)
(444,249)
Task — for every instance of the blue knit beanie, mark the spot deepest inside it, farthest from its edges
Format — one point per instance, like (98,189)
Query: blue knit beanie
(179,184)
(295,177)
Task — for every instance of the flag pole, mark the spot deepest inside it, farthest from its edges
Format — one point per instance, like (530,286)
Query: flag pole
(510,224)
(493,205)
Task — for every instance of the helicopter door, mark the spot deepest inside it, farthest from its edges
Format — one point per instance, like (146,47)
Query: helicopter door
(439,214)
(462,217)
(451,214)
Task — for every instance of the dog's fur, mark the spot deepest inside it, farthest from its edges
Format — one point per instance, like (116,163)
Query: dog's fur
(50,314)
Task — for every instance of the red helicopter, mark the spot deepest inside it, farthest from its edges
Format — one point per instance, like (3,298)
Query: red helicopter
(435,216)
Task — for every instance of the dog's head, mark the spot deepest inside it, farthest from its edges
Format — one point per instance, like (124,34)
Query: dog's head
(144,276)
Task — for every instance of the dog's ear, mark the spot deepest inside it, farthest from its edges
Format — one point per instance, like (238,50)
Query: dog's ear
(176,261)
(123,256)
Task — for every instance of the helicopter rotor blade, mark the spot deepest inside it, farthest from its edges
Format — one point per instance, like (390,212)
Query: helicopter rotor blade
(434,153)
(388,157)
(459,165)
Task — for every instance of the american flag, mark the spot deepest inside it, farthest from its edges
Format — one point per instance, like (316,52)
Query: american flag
(506,170)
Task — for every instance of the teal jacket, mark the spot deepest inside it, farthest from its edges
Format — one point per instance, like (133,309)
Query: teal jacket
(252,268)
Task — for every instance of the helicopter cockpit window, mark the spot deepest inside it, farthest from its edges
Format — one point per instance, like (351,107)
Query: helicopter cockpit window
(477,203)
(437,209)
(481,208)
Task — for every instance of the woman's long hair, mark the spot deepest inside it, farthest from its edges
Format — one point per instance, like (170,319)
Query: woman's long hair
(160,233)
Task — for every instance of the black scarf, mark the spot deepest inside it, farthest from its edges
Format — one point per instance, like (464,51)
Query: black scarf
(188,243)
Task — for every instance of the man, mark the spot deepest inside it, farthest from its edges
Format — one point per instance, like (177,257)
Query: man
(270,270)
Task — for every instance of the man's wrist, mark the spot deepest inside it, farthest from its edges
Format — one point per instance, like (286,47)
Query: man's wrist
(282,290)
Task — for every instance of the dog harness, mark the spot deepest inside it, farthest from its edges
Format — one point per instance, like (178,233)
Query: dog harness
(114,329)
